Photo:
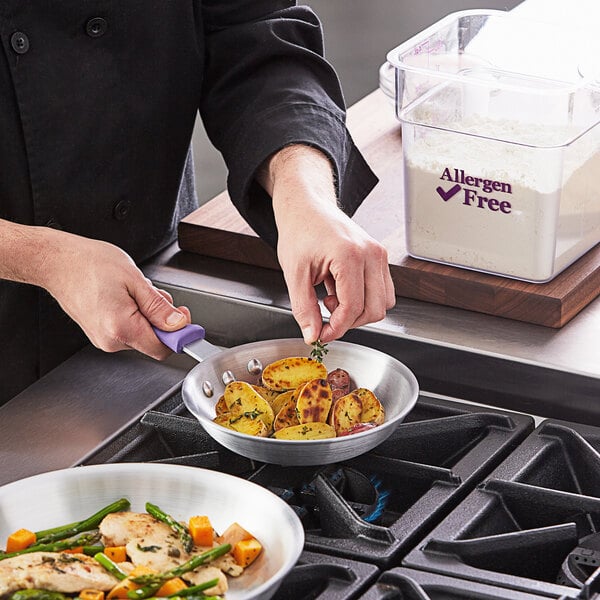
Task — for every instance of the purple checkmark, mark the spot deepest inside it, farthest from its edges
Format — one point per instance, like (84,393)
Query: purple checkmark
(451,192)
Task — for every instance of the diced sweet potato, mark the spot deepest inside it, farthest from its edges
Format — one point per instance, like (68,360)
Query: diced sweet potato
(90,594)
(233,534)
(19,540)
(126,585)
(201,530)
(116,553)
(245,552)
(171,587)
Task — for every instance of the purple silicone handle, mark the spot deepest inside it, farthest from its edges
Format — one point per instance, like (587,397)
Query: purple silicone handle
(176,340)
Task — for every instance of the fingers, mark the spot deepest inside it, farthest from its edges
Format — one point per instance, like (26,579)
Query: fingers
(359,293)
(305,305)
(150,306)
(158,308)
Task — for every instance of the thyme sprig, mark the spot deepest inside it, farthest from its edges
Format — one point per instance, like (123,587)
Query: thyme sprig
(318,351)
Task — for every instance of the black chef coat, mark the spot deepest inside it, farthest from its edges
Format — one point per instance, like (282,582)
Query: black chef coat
(98,100)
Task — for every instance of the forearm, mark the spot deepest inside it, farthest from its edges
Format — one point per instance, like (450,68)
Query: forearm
(295,176)
(24,252)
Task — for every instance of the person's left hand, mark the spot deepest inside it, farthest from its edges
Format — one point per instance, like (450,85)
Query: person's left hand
(318,243)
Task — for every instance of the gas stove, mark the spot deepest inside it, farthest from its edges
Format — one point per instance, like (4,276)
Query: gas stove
(532,524)
(461,498)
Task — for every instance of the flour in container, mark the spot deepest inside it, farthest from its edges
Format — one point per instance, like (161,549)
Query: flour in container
(525,208)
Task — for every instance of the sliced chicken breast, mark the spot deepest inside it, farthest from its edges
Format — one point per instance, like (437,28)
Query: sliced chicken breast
(149,542)
(56,571)
(206,573)
(155,545)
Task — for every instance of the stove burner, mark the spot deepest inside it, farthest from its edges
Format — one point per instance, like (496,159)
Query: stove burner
(364,494)
(581,563)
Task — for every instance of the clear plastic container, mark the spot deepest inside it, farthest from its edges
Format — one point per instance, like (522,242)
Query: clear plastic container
(501,143)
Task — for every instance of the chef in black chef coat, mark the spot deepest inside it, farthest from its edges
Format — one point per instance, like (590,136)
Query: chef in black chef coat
(97,105)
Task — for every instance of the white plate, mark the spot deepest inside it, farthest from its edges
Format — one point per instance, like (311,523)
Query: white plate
(68,495)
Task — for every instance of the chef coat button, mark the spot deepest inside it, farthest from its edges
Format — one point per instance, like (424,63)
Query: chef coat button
(96,27)
(19,42)
(121,210)
(53,223)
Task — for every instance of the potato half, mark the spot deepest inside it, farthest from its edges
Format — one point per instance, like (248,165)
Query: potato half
(314,401)
(243,400)
(289,373)
(306,431)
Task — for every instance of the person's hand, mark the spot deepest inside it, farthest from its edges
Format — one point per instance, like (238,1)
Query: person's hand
(318,243)
(100,287)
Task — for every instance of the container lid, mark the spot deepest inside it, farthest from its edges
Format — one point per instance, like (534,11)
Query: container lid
(504,42)
(476,68)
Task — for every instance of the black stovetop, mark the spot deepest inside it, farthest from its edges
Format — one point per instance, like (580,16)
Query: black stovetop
(470,498)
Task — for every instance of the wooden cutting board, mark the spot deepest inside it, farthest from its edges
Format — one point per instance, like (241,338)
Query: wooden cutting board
(217,230)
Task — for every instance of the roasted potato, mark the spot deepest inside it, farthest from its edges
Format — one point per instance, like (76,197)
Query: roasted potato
(249,426)
(287,416)
(221,406)
(339,379)
(243,400)
(345,413)
(243,424)
(372,409)
(280,400)
(289,373)
(297,398)
(306,431)
(269,395)
(223,419)
(313,401)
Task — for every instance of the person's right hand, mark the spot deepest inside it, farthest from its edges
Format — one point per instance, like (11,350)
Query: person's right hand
(100,287)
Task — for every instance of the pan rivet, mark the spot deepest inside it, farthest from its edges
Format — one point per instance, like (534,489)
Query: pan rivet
(207,388)
(255,367)
(227,377)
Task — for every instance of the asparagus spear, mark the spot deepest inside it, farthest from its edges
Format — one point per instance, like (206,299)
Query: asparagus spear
(84,541)
(151,583)
(194,589)
(92,522)
(111,566)
(178,528)
(34,594)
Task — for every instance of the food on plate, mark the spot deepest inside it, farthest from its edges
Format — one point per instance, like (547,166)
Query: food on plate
(298,399)
(117,553)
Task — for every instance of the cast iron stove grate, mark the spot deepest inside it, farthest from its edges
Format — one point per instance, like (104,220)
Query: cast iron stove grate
(372,508)
(533,525)
(409,584)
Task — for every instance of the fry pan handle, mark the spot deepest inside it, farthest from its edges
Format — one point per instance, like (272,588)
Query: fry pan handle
(176,340)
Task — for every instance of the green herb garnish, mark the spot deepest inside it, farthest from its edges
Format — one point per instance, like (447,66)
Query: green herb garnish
(318,351)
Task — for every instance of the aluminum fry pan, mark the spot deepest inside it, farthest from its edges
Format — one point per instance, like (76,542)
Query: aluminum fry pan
(392,382)
(59,497)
